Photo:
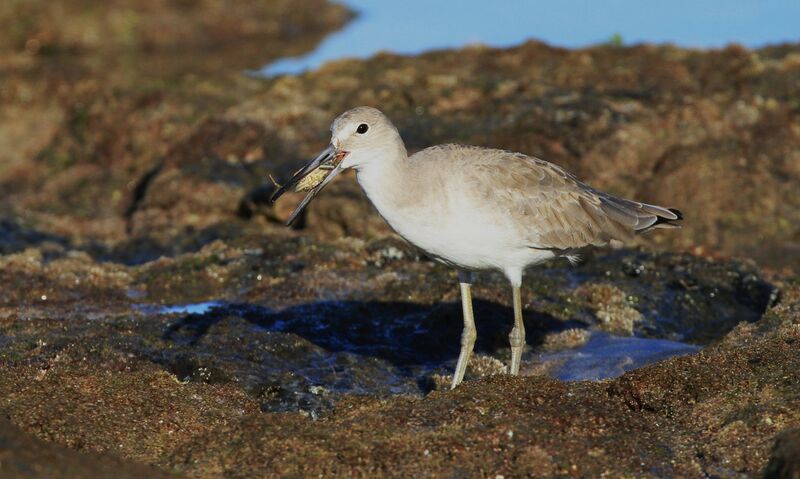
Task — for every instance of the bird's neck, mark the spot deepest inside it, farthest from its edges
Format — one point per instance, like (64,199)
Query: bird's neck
(384,178)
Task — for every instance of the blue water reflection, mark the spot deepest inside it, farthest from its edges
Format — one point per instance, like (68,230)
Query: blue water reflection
(414,26)
(606,356)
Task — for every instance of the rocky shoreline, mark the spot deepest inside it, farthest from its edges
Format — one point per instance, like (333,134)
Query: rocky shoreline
(157,317)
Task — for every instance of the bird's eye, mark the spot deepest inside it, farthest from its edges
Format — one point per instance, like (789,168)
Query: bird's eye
(362,128)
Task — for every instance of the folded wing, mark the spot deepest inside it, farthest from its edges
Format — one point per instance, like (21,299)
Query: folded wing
(557,210)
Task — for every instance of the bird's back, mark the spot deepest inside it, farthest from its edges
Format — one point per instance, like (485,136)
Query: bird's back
(541,204)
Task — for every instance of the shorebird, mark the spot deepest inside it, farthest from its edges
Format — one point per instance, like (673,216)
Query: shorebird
(475,208)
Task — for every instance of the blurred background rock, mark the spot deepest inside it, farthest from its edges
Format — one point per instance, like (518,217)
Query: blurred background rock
(129,129)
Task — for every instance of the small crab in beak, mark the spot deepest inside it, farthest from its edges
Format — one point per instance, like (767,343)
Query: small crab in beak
(313,177)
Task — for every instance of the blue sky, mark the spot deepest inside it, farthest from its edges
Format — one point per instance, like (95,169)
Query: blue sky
(414,26)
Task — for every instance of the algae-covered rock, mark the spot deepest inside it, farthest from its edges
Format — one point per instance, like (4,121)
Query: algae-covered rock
(25,456)
(156,313)
(161,157)
(331,352)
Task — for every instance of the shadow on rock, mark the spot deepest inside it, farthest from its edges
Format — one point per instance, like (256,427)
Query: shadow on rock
(302,356)
(15,236)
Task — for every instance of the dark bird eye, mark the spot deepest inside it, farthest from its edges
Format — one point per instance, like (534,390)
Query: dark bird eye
(362,128)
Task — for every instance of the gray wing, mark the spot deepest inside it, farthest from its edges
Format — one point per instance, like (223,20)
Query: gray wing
(556,209)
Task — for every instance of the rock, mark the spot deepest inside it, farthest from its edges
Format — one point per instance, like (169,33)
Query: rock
(155,312)
(140,26)
(24,456)
(100,132)
(785,460)
(678,135)
(139,166)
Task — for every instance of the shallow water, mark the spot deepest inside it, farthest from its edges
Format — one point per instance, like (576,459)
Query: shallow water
(188,308)
(607,356)
(603,356)
(191,308)
(638,308)
(416,26)
(308,355)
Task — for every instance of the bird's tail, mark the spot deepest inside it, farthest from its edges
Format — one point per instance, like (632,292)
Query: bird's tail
(662,222)
(640,217)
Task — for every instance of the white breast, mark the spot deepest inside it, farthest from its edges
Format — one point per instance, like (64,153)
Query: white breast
(449,227)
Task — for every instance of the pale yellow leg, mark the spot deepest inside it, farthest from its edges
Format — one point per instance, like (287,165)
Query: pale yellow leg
(517,336)
(468,334)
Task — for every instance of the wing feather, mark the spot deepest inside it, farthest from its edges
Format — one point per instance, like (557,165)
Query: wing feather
(555,209)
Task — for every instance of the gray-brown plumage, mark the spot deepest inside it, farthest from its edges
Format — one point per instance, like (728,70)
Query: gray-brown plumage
(558,210)
(546,207)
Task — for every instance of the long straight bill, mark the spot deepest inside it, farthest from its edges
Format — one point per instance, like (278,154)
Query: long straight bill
(328,154)
(311,194)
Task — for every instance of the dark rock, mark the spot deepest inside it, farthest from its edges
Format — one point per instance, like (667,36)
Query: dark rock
(785,460)
(24,456)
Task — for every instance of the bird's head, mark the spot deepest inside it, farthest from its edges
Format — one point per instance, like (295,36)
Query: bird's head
(361,137)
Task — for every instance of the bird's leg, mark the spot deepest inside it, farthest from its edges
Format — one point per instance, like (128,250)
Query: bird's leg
(468,334)
(517,336)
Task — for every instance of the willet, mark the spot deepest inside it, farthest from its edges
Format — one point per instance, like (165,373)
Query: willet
(475,208)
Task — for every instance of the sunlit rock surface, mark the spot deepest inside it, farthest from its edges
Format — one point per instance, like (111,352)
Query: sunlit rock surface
(155,312)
